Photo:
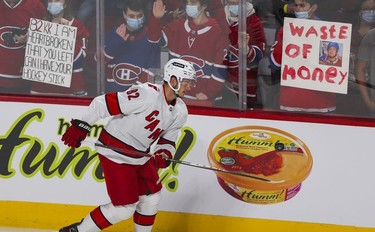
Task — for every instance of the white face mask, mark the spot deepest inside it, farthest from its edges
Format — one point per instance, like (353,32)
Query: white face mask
(302,14)
(368,16)
(233,9)
(192,11)
(55,8)
(135,24)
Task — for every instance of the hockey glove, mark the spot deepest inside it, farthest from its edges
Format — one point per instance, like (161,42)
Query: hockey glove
(160,158)
(76,133)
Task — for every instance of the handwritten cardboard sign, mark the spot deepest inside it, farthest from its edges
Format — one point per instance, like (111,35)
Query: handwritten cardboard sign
(49,53)
(316,55)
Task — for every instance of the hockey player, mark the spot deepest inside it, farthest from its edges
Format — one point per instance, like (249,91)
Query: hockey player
(141,116)
(59,11)
(298,99)
(198,39)
(14,20)
(332,55)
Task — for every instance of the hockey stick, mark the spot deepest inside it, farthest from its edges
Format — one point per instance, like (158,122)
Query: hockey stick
(138,153)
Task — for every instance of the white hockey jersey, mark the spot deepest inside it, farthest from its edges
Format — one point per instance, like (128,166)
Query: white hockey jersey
(140,117)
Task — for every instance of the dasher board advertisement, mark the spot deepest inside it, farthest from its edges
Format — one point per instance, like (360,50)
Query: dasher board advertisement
(304,172)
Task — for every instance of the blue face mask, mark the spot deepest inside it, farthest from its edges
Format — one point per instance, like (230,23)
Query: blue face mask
(55,8)
(192,11)
(368,16)
(233,9)
(135,24)
(302,14)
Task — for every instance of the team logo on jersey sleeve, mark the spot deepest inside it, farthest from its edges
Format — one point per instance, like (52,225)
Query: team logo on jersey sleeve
(7,38)
(128,74)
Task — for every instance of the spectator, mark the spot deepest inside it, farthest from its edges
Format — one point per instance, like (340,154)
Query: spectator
(352,103)
(365,22)
(128,53)
(365,64)
(256,42)
(331,56)
(298,99)
(59,12)
(14,21)
(198,39)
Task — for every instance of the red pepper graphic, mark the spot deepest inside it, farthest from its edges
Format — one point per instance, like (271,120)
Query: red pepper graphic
(267,164)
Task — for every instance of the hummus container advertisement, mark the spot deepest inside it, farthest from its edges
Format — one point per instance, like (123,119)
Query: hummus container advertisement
(271,164)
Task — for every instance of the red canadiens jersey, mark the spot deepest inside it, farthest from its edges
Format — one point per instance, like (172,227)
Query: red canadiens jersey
(16,17)
(205,46)
(77,86)
(139,117)
(255,53)
(297,99)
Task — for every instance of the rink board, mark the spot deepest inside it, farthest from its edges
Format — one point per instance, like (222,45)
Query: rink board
(333,197)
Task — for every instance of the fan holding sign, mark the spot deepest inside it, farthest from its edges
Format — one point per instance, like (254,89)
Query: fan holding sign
(14,22)
(307,85)
(55,52)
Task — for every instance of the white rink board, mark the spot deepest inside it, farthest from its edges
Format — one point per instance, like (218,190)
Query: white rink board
(334,193)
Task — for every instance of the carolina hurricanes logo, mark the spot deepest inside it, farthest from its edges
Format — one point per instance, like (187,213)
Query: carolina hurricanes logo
(128,74)
(6,35)
(198,64)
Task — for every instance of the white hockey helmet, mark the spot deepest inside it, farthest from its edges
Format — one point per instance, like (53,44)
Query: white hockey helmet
(179,68)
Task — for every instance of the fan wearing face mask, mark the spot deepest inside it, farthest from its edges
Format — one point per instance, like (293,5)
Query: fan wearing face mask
(127,52)
(59,11)
(199,39)
(365,22)
(298,99)
(255,47)
(14,22)
(365,58)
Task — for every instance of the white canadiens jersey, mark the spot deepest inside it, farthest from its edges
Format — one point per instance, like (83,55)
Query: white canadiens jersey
(140,117)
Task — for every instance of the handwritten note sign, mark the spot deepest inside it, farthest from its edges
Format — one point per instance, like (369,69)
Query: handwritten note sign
(49,53)
(316,55)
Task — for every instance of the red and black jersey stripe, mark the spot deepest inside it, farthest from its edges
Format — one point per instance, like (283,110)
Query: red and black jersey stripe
(111,141)
(113,105)
(162,141)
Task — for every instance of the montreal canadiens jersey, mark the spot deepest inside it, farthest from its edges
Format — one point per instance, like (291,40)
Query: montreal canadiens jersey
(11,18)
(205,46)
(128,61)
(140,117)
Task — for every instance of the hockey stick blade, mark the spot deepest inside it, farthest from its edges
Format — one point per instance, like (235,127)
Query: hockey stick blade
(138,153)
